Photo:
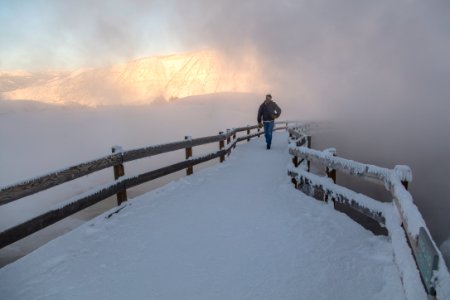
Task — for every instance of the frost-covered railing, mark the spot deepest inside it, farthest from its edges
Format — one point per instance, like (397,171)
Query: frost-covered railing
(400,218)
(121,183)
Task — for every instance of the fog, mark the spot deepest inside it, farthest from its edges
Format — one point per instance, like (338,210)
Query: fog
(378,69)
(40,138)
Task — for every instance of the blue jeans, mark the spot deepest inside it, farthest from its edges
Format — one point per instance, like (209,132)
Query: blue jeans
(268,128)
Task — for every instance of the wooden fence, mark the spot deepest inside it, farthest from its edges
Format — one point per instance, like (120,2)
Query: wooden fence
(122,183)
(425,253)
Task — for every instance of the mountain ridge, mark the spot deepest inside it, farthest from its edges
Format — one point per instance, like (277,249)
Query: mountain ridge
(139,81)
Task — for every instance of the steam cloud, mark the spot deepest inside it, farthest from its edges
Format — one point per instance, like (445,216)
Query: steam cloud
(379,68)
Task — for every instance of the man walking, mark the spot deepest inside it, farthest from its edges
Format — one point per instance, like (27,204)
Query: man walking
(268,112)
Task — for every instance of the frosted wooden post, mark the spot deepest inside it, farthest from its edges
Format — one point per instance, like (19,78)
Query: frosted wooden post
(248,133)
(295,160)
(331,173)
(221,146)
(259,130)
(404,172)
(188,150)
(309,146)
(234,139)
(228,141)
(294,181)
(405,184)
(119,171)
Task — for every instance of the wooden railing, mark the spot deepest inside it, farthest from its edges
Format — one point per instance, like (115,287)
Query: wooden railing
(426,255)
(122,183)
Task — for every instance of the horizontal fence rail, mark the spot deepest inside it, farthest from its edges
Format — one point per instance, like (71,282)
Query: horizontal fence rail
(33,186)
(121,183)
(432,269)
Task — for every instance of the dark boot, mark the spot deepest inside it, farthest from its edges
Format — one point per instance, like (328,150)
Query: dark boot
(268,146)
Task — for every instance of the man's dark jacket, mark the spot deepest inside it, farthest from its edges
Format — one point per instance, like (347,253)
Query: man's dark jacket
(268,111)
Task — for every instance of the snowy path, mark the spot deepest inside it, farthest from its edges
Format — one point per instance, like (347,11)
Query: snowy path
(237,230)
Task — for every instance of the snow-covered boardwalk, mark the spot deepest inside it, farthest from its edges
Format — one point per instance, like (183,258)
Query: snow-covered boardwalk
(238,230)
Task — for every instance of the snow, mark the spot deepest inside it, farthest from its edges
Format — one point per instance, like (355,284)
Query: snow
(232,231)
(408,212)
(403,258)
(402,253)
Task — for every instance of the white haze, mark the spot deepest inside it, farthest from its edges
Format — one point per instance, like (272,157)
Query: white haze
(380,69)
(41,138)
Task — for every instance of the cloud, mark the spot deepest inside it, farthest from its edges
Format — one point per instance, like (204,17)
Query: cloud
(379,52)
(381,67)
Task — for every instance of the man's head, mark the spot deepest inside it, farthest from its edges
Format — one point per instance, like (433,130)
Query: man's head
(268,97)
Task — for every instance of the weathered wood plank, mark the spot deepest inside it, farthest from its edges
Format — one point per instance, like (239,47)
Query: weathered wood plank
(20,231)
(148,176)
(164,148)
(247,137)
(309,187)
(29,187)
(371,220)
(32,186)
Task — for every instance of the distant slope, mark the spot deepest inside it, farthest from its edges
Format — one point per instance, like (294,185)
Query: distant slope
(140,81)
(10,81)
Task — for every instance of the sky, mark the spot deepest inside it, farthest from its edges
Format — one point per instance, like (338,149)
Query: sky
(330,52)
(50,34)
(381,66)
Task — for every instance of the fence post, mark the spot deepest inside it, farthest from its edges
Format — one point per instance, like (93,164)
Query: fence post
(221,146)
(234,139)
(228,141)
(119,171)
(294,182)
(309,146)
(295,160)
(405,184)
(188,150)
(331,173)
(248,133)
(259,132)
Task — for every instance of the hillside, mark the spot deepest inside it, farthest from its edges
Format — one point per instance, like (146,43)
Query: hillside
(140,81)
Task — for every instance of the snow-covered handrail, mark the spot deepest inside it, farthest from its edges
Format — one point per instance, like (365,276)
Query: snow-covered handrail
(34,185)
(327,159)
(121,183)
(431,265)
